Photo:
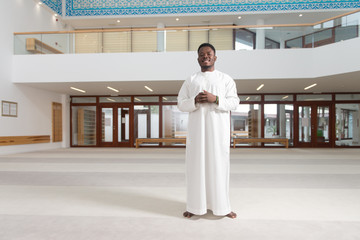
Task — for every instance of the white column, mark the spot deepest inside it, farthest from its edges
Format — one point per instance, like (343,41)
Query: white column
(260,35)
(161,39)
(282,120)
(282,42)
(65,101)
(307,128)
(356,127)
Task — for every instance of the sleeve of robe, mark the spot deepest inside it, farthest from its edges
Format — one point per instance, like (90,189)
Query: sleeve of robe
(186,103)
(230,100)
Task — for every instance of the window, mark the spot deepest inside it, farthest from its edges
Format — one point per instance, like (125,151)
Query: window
(174,123)
(347,124)
(177,40)
(146,121)
(244,39)
(83,125)
(144,41)
(246,122)
(279,121)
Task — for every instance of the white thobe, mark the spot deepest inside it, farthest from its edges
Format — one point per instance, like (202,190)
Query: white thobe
(208,141)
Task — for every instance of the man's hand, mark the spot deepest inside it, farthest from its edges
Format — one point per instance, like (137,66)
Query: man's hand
(205,97)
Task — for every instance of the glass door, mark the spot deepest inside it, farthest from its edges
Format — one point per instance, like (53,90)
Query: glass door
(314,125)
(115,126)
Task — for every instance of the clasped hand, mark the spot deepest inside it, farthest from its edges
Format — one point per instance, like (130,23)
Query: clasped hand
(205,97)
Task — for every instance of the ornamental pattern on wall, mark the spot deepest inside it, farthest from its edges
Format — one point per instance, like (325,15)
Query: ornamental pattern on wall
(55,5)
(155,7)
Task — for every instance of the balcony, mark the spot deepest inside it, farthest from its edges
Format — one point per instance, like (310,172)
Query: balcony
(178,39)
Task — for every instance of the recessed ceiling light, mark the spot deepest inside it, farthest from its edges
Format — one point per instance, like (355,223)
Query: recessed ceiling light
(149,89)
(55,15)
(40,3)
(300,15)
(260,87)
(177,19)
(239,17)
(118,21)
(308,87)
(115,90)
(77,89)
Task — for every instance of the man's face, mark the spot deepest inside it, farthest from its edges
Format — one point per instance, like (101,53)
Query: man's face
(206,58)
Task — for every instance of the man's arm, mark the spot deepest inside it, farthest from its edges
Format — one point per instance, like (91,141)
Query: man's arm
(186,103)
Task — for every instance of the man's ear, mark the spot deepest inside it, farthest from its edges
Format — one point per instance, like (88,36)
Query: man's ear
(215,57)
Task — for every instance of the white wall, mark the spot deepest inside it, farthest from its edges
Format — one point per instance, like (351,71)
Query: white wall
(34,106)
(259,64)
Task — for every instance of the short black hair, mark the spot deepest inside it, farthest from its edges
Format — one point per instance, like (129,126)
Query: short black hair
(207,45)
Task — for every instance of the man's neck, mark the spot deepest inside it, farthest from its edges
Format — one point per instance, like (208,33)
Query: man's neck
(208,69)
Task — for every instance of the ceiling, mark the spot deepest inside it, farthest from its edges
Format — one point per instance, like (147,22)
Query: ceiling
(308,17)
(348,82)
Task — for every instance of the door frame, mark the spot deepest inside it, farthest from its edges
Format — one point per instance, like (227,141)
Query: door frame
(314,115)
(115,142)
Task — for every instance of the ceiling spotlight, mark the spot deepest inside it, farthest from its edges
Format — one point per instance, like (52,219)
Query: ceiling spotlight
(260,87)
(115,90)
(239,17)
(149,89)
(55,15)
(118,21)
(77,89)
(300,15)
(40,2)
(177,19)
(308,87)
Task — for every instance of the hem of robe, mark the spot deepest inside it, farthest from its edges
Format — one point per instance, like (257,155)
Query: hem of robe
(221,213)
(203,212)
(197,211)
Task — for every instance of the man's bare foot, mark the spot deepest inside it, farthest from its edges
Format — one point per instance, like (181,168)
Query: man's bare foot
(231,215)
(188,214)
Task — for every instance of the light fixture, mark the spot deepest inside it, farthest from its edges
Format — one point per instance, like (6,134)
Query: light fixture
(110,99)
(55,15)
(137,99)
(308,87)
(247,98)
(115,90)
(260,87)
(149,89)
(40,2)
(177,19)
(118,21)
(285,97)
(239,17)
(77,89)
(300,15)
(165,98)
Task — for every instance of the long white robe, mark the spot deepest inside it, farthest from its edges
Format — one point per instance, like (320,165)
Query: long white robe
(208,141)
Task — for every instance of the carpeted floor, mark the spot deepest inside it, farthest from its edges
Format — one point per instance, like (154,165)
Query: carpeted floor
(109,193)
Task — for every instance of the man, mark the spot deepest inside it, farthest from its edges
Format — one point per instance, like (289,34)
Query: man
(208,96)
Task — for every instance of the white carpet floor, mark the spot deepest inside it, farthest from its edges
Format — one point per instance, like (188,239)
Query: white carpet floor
(108,193)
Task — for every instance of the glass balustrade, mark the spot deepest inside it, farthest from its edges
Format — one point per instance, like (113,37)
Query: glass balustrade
(189,38)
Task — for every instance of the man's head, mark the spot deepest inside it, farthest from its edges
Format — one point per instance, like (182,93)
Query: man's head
(206,57)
